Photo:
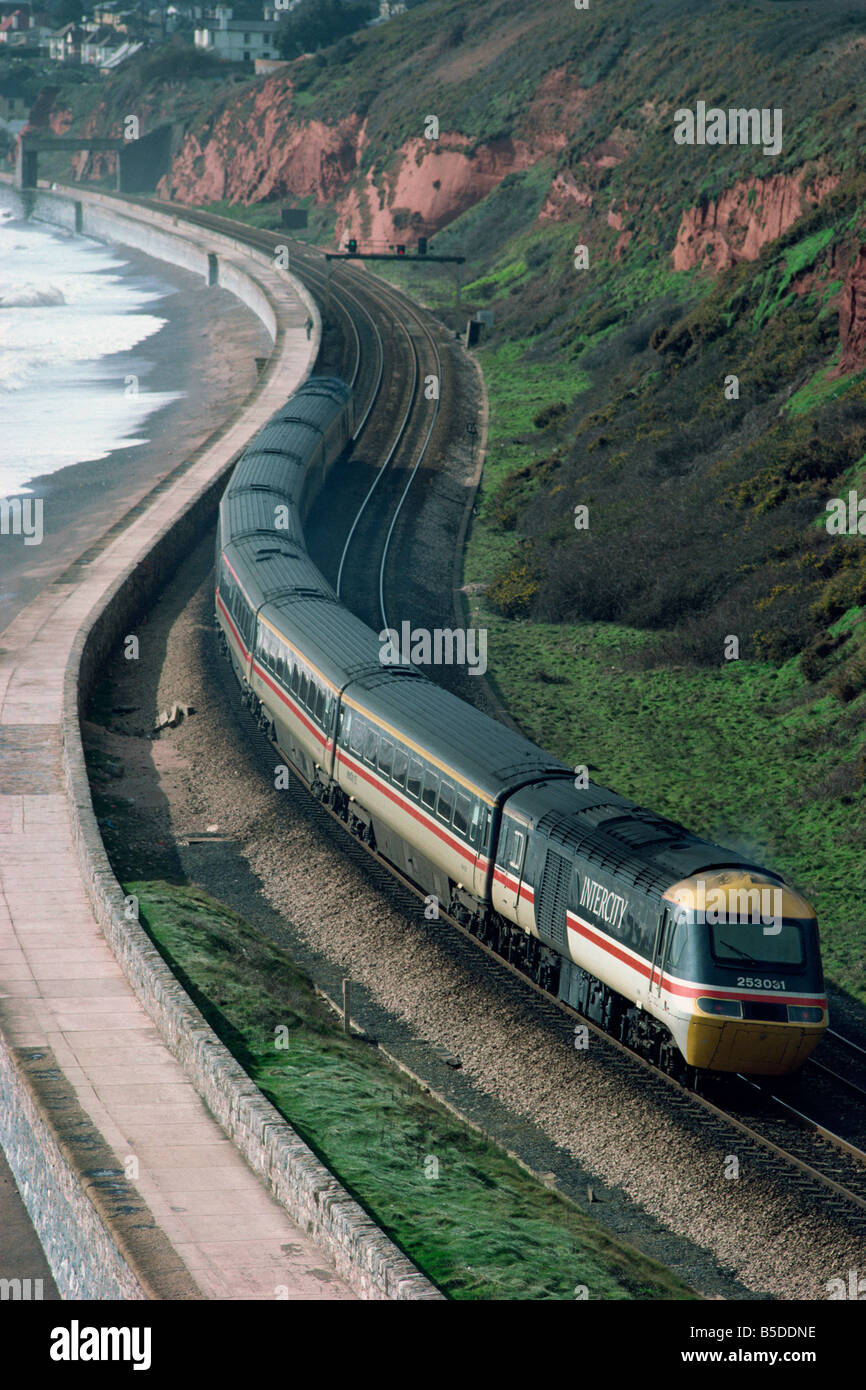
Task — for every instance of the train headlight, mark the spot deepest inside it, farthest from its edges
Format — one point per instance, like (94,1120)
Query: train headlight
(805,1013)
(729,1008)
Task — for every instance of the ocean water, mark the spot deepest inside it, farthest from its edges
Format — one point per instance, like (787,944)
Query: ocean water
(67,305)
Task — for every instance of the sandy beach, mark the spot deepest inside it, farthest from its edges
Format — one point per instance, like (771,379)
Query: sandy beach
(207,350)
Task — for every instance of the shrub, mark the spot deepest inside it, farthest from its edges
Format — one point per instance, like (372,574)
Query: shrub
(514,589)
(848,682)
(549,414)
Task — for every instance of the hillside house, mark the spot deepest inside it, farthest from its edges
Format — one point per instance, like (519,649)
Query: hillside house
(237,40)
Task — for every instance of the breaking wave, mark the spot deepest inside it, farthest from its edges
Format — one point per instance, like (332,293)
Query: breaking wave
(31,296)
(69,305)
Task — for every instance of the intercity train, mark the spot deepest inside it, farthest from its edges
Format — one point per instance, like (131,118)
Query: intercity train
(685,951)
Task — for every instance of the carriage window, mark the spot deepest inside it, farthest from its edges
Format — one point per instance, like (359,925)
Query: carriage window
(515,858)
(302,690)
(462,811)
(386,756)
(280,662)
(401,762)
(359,734)
(431,784)
(296,680)
(678,939)
(480,825)
(371,746)
(320,705)
(445,804)
(413,780)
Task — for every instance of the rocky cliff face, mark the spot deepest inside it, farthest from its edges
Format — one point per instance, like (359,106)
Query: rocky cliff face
(852,316)
(268,152)
(735,226)
(264,151)
(260,148)
(524,89)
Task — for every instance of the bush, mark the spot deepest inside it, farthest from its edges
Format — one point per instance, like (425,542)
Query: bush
(513,591)
(316,24)
(549,414)
(849,682)
(179,62)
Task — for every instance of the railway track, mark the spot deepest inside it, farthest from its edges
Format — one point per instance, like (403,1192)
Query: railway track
(808,1155)
(396,454)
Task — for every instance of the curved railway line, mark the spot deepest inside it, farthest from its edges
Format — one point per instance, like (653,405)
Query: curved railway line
(805,1153)
(404,451)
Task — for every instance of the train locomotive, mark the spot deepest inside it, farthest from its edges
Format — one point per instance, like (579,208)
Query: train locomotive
(661,937)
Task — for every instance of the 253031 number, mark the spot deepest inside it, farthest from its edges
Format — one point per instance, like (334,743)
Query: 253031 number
(751,982)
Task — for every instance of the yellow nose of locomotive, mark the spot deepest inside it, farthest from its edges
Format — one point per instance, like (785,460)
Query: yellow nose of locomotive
(754,999)
(758,1049)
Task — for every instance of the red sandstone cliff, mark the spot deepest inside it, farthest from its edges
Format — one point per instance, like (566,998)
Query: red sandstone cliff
(852,317)
(735,226)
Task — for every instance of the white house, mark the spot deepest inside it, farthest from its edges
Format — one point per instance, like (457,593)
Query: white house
(238,40)
(100,45)
(64,46)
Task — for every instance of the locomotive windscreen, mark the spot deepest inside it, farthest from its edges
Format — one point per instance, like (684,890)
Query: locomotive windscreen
(771,943)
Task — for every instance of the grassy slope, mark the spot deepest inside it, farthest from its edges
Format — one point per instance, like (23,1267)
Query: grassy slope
(480,1227)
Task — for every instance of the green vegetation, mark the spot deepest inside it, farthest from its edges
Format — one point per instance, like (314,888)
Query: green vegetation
(315,24)
(266,216)
(469,1216)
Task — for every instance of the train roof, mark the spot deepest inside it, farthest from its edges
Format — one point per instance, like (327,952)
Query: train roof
(298,431)
(268,567)
(482,752)
(309,410)
(331,389)
(248,512)
(636,845)
(330,638)
(404,701)
(278,469)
